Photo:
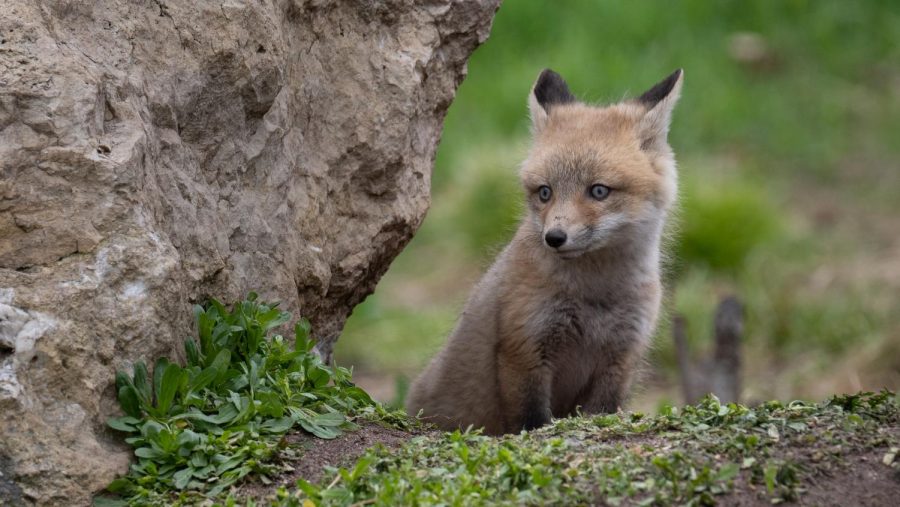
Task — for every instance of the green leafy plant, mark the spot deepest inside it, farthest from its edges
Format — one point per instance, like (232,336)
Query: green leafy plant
(205,425)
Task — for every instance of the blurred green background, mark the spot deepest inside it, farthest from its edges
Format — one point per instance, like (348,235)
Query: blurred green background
(788,141)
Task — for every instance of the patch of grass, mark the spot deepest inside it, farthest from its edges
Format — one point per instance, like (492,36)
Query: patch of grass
(721,224)
(491,211)
(691,456)
(480,201)
(393,340)
(198,429)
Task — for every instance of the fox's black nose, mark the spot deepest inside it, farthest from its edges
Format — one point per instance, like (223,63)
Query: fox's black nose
(555,237)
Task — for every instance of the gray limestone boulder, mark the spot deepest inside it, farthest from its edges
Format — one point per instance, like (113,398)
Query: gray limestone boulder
(154,153)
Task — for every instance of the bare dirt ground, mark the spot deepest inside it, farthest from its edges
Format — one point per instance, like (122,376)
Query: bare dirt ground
(860,478)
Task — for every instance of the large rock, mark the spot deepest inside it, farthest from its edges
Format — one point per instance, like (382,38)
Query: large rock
(157,152)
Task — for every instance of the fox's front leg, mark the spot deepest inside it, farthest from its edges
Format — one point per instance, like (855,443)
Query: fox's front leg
(524,384)
(609,384)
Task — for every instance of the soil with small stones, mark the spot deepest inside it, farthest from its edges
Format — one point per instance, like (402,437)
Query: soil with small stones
(861,479)
(865,481)
(858,477)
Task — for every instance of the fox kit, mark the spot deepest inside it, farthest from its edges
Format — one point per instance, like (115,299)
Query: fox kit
(563,317)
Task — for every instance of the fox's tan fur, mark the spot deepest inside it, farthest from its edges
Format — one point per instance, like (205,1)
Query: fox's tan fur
(548,330)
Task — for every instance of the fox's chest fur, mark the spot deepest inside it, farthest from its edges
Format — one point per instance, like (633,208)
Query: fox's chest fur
(561,320)
(584,317)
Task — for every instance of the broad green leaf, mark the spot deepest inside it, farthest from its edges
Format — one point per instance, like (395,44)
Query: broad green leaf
(330,419)
(182,477)
(167,469)
(222,331)
(170,384)
(205,324)
(278,426)
(727,472)
(165,441)
(198,310)
(126,424)
(308,489)
(359,395)
(253,377)
(204,471)
(148,452)
(129,402)
(105,501)
(198,460)
(223,483)
(188,439)
(119,485)
(274,318)
(229,464)
(204,378)
(226,414)
(797,426)
(192,353)
(141,382)
(218,308)
(236,380)
(327,433)
(769,477)
(122,380)
(319,376)
(221,363)
(301,336)
(158,370)
(269,404)
(338,495)
(151,428)
(362,466)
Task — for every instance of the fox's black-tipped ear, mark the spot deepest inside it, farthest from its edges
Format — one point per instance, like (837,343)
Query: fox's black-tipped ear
(659,102)
(549,90)
(661,89)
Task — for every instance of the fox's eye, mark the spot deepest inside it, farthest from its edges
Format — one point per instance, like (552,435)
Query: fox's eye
(544,193)
(599,192)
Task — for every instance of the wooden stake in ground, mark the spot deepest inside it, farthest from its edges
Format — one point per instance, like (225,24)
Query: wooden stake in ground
(719,374)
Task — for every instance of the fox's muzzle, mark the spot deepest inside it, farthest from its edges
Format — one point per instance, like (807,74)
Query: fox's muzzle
(555,238)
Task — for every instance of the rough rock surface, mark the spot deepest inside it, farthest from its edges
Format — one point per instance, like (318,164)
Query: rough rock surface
(156,152)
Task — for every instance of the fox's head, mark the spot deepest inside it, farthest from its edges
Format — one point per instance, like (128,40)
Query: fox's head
(596,177)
